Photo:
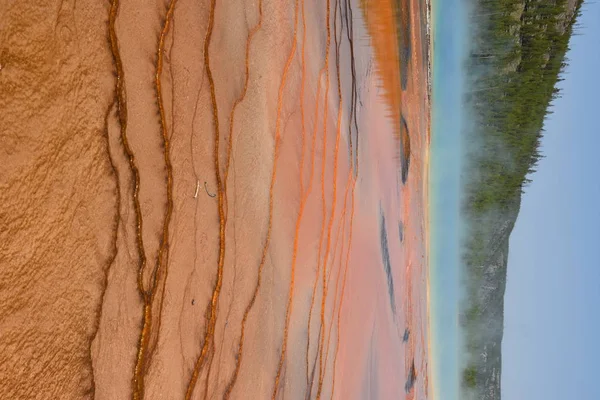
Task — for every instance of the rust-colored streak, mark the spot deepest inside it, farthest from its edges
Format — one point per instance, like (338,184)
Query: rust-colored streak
(122,113)
(211,314)
(163,255)
(148,294)
(163,251)
(210,360)
(236,103)
(240,98)
(121,100)
(238,362)
(304,198)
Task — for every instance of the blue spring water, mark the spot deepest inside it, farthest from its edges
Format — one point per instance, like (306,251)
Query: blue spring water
(449,38)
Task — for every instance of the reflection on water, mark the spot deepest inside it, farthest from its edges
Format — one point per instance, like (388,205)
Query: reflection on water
(398,37)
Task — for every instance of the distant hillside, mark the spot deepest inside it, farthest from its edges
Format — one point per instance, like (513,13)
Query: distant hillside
(514,65)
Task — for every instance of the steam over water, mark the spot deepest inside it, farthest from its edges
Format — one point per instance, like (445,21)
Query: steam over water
(445,225)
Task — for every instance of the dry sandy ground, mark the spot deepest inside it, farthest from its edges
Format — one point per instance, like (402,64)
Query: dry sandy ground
(205,199)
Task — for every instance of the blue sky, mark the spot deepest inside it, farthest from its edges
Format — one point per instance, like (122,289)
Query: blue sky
(551,346)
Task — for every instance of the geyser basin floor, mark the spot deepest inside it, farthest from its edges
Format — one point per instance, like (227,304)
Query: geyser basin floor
(269,196)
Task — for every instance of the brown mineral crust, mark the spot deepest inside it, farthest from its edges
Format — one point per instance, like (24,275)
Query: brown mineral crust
(58,194)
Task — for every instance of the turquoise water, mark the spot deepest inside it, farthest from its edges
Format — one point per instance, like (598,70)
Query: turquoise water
(447,118)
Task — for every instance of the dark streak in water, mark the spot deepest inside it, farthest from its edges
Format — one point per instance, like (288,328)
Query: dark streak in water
(401,231)
(412,378)
(404,149)
(385,255)
(354,94)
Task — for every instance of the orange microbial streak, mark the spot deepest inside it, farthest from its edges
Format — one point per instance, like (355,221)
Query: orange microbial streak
(355,177)
(163,251)
(337,240)
(230,142)
(240,98)
(339,274)
(339,124)
(236,103)
(342,223)
(231,383)
(121,101)
(324,211)
(304,198)
(122,114)
(353,117)
(210,360)
(303,124)
(330,226)
(348,184)
(337,344)
(146,294)
(313,152)
(211,314)
(339,268)
(343,214)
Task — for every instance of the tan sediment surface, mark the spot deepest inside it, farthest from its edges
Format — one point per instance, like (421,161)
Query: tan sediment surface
(194,201)
(57,193)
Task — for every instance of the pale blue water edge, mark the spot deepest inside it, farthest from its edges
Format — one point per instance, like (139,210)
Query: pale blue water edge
(449,33)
